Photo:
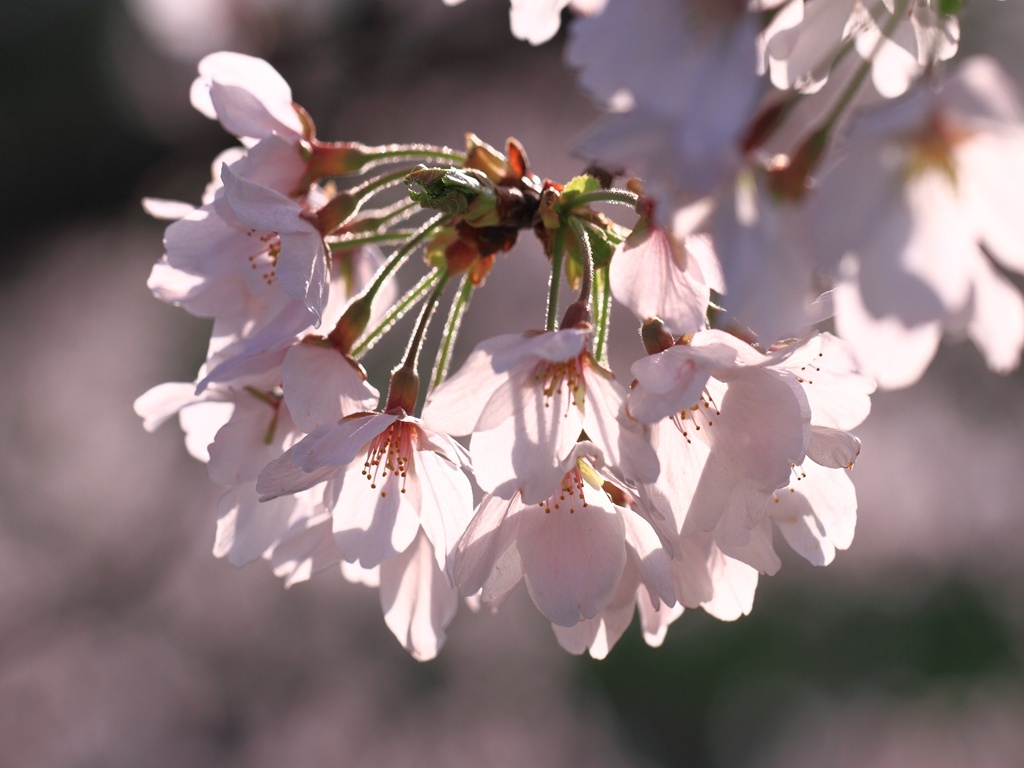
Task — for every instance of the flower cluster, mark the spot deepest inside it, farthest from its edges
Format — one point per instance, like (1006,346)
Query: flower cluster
(763,211)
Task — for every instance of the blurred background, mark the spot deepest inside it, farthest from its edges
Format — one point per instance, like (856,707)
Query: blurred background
(123,642)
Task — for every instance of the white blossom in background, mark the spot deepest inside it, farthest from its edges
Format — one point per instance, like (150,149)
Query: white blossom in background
(929,216)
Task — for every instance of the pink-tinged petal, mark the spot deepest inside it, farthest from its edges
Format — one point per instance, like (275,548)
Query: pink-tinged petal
(446,502)
(682,464)
(337,445)
(302,271)
(372,524)
(623,441)
(726,503)
(458,403)
(305,553)
(838,394)
(417,600)
(572,562)
(555,347)
(762,427)
(819,515)
(600,633)
(157,404)
(735,583)
(996,323)
(200,423)
(654,622)
(492,531)
(893,354)
(673,380)
(321,386)
(833,447)
(757,551)
(691,569)
(526,452)
(283,476)
(240,449)
(655,279)
(354,573)
(650,565)
(246,527)
(991,163)
(170,210)
(505,576)
(247,95)
(260,207)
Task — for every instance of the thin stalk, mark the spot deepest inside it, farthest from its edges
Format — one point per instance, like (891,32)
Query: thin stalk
(557,255)
(412,354)
(365,190)
(395,260)
(397,312)
(344,242)
(602,319)
(616,196)
(392,152)
(586,284)
(451,331)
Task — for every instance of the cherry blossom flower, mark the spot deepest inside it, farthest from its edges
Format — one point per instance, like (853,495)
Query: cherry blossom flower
(577,551)
(654,275)
(248,96)
(802,40)
(922,186)
(525,398)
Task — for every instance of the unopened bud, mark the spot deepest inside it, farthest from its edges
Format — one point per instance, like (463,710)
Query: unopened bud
(656,339)
(403,390)
(351,325)
(577,315)
(337,212)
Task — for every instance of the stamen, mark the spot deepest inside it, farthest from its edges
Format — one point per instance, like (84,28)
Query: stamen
(389,452)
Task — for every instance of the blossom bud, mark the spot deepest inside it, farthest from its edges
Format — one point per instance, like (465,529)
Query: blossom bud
(456,192)
(338,211)
(403,390)
(656,339)
(351,325)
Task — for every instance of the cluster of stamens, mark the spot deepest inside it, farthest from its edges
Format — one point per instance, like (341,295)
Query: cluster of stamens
(389,452)
(553,376)
(815,368)
(267,260)
(705,407)
(572,487)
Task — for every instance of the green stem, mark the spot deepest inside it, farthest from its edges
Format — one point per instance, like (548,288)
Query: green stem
(412,354)
(586,284)
(393,152)
(602,320)
(557,255)
(365,190)
(616,196)
(345,242)
(396,313)
(451,331)
(399,256)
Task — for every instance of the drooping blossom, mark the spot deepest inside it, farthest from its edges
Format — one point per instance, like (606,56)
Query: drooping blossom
(739,424)
(583,557)
(916,217)
(525,398)
(655,275)
(247,96)
(900,39)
